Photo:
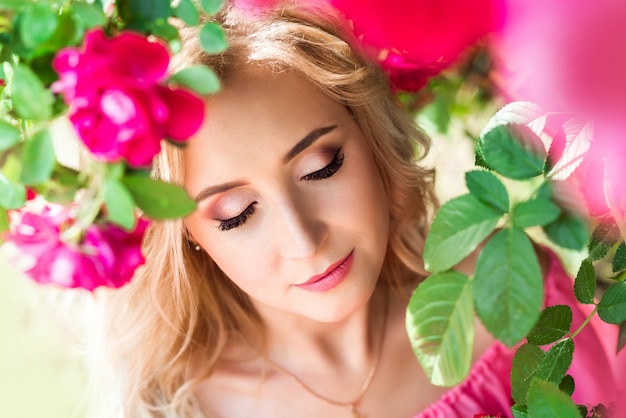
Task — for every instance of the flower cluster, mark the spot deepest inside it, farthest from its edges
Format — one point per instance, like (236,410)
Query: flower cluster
(117,101)
(36,243)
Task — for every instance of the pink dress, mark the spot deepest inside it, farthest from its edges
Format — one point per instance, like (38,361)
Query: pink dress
(599,374)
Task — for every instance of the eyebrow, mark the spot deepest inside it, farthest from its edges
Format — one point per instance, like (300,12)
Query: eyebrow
(300,146)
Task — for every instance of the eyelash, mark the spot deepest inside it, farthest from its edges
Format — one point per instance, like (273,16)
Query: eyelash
(320,174)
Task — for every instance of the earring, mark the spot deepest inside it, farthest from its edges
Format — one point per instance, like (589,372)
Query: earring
(197,247)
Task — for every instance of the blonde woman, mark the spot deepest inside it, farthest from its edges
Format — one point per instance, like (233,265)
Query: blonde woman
(284,294)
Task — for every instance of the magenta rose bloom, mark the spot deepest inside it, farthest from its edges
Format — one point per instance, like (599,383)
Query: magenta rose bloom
(416,39)
(119,104)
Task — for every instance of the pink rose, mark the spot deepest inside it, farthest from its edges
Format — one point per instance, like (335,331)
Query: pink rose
(106,256)
(118,103)
(420,37)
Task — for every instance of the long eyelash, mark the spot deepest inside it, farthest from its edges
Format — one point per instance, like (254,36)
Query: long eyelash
(327,171)
(238,220)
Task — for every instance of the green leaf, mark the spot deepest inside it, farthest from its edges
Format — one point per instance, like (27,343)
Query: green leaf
(187,12)
(568,232)
(31,100)
(585,283)
(545,400)
(119,203)
(514,151)
(9,135)
(487,188)
(519,411)
(12,196)
(89,14)
(199,78)
(553,324)
(612,306)
(4,221)
(535,212)
(602,239)
(508,286)
(440,325)
(459,226)
(556,362)
(38,158)
(567,385)
(37,26)
(619,260)
(140,12)
(526,362)
(211,6)
(212,38)
(158,199)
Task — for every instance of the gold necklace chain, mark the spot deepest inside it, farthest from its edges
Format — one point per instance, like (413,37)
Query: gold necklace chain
(352,406)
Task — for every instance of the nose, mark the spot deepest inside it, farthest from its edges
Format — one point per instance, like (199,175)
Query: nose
(300,229)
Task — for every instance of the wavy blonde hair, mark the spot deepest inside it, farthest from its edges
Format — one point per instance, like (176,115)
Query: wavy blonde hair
(180,306)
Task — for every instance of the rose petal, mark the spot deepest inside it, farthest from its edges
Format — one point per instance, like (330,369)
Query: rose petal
(186,113)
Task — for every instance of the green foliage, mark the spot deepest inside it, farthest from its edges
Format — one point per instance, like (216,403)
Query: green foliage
(535,212)
(602,239)
(187,12)
(12,196)
(621,339)
(139,14)
(508,288)
(212,38)
(556,362)
(9,135)
(585,283)
(619,260)
(546,400)
(441,327)
(567,385)
(199,78)
(4,217)
(89,14)
(157,199)
(211,6)
(37,26)
(487,188)
(31,100)
(119,204)
(526,362)
(513,151)
(612,306)
(553,324)
(458,228)
(38,158)
(568,231)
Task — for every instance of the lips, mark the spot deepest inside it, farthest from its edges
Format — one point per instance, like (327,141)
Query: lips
(330,278)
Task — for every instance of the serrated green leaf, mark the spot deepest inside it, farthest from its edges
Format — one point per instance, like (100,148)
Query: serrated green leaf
(211,6)
(38,158)
(459,226)
(199,78)
(187,12)
(212,38)
(513,151)
(556,362)
(535,212)
(508,286)
(553,324)
(619,259)
(585,283)
(120,204)
(597,248)
(158,199)
(612,306)
(37,25)
(12,196)
(567,385)
(89,14)
(526,362)
(546,400)
(440,325)
(31,100)
(487,188)
(141,12)
(9,135)
(568,232)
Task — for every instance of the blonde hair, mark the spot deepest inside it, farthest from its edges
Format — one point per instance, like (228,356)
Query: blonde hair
(180,304)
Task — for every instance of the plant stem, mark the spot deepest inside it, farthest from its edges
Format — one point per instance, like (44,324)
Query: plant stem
(584,324)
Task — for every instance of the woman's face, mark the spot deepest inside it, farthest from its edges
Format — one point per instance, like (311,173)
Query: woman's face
(290,204)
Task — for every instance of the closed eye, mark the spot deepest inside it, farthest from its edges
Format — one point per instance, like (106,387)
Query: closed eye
(327,171)
(226,224)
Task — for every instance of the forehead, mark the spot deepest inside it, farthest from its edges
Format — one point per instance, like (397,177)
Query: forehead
(256,116)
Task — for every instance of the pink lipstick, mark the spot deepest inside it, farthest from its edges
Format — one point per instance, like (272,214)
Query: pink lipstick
(333,275)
